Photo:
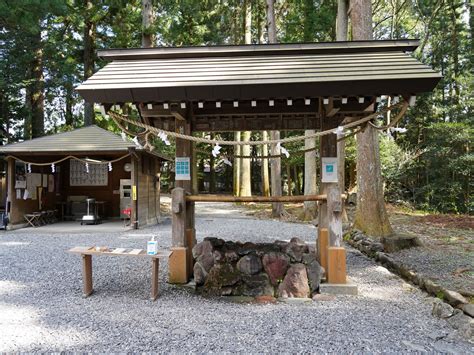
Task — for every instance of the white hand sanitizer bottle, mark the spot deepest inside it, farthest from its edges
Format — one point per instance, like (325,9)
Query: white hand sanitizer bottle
(152,246)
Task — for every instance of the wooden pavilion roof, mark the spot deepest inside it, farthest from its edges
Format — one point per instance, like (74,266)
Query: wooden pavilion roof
(253,87)
(259,71)
(86,140)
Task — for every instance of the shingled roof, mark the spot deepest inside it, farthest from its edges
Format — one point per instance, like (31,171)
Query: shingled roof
(90,139)
(364,68)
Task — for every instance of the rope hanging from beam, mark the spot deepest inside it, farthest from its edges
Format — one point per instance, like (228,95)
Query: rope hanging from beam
(69,157)
(118,118)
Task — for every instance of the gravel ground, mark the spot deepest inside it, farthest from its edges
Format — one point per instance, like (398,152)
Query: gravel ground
(448,268)
(41,308)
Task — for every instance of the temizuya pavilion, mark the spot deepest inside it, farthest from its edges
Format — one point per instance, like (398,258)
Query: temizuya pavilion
(258,87)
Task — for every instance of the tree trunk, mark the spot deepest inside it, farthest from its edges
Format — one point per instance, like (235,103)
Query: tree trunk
(455,55)
(341,35)
(69,117)
(277,207)
(245,168)
(36,94)
(371,216)
(27,125)
(89,42)
(265,173)
(275,166)
(271,26)
(265,177)
(248,22)
(310,176)
(289,179)
(148,18)
(245,173)
(342,20)
(297,180)
(237,164)
(5,116)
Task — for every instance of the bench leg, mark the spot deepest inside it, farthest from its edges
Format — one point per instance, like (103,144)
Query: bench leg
(28,220)
(155,267)
(87,275)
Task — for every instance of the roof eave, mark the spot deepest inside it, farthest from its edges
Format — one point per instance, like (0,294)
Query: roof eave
(369,87)
(408,45)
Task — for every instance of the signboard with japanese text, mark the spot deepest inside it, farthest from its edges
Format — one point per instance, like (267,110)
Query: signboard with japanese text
(329,169)
(182,168)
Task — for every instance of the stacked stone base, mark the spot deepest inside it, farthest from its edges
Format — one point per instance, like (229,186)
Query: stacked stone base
(279,269)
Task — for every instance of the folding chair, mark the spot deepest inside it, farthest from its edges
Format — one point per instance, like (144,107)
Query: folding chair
(32,219)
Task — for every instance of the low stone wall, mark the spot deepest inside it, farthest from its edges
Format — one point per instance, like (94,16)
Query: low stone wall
(279,269)
(456,310)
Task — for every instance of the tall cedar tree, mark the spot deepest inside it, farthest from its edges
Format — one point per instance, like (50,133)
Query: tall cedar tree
(371,216)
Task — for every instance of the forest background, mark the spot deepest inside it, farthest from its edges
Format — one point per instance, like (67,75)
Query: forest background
(48,47)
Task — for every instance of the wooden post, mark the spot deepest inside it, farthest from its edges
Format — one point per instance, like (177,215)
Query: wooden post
(178,266)
(327,148)
(334,214)
(87,287)
(191,242)
(323,243)
(183,212)
(10,206)
(336,271)
(134,179)
(336,254)
(155,269)
(330,212)
(178,211)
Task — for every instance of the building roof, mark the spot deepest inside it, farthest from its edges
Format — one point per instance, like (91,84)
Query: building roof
(90,139)
(361,68)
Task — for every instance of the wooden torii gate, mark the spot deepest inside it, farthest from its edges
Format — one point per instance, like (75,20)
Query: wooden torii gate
(257,87)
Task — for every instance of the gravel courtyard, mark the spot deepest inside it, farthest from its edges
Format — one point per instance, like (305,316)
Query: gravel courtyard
(41,308)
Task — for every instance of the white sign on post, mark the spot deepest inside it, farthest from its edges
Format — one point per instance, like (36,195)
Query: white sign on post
(329,166)
(182,168)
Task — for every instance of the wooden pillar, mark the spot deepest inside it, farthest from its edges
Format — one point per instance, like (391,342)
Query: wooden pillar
(327,149)
(336,272)
(322,248)
(178,211)
(11,206)
(330,212)
(334,214)
(178,261)
(183,212)
(134,222)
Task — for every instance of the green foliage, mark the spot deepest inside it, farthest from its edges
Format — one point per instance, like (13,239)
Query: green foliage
(430,166)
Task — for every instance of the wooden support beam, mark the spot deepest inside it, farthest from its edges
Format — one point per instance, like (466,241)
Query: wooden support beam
(229,198)
(336,270)
(177,115)
(322,248)
(178,211)
(134,177)
(177,266)
(182,210)
(191,242)
(327,148)
(332,112)
(334,214)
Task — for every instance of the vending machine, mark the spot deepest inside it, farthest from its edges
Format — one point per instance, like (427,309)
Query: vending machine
(125,197)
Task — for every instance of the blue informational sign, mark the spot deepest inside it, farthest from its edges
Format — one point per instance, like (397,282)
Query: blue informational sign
(329,169)
(182,168)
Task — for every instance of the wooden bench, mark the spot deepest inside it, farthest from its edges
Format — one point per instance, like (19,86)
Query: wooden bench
(87,252)
(33,219)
